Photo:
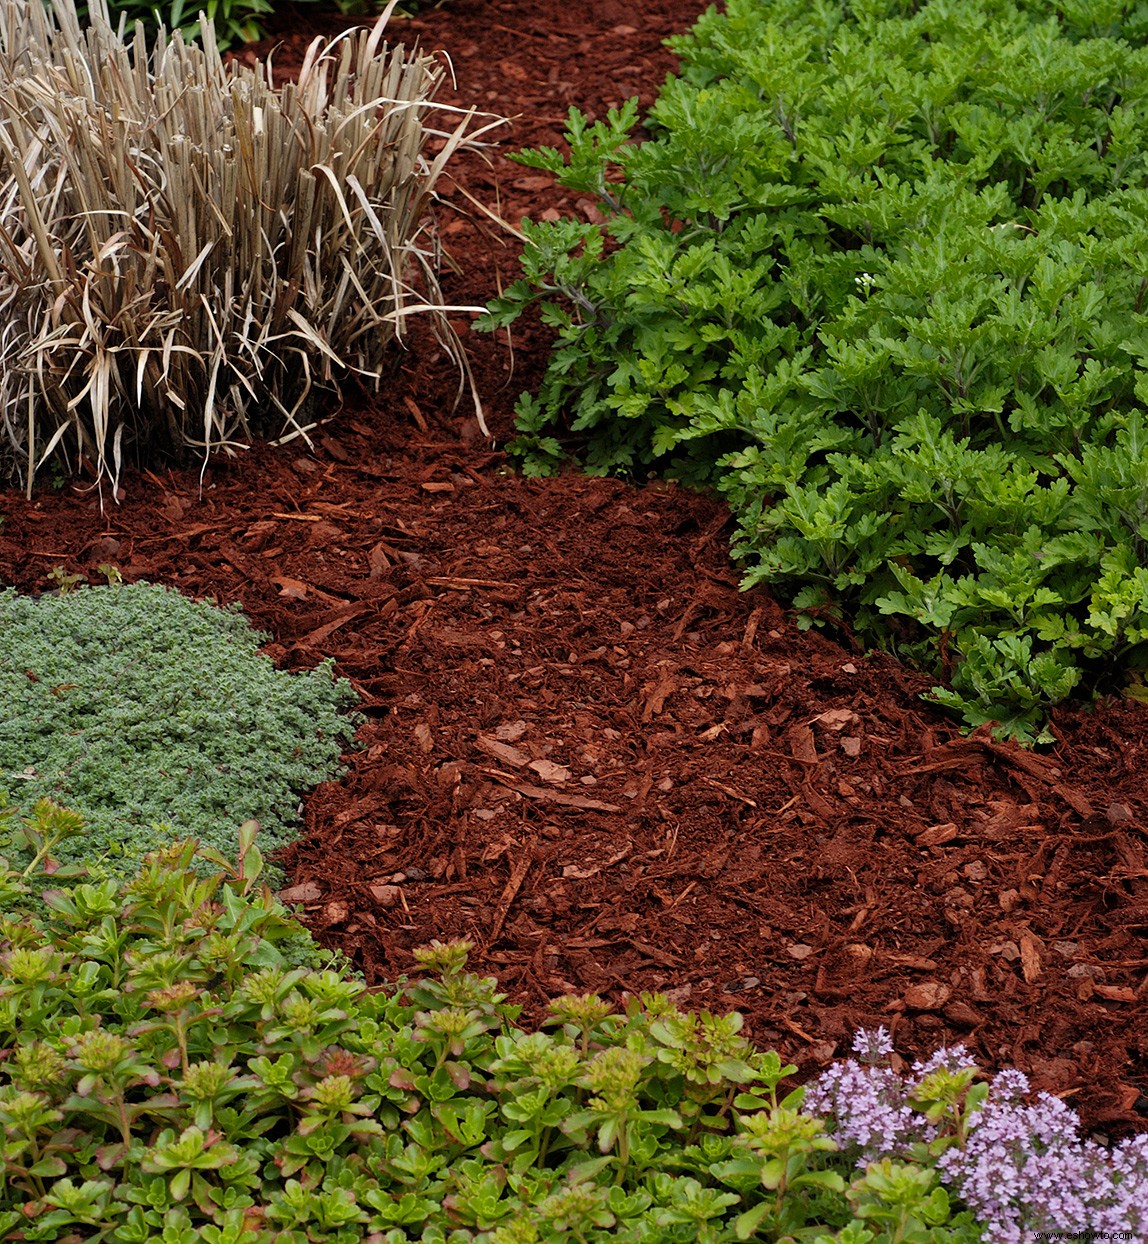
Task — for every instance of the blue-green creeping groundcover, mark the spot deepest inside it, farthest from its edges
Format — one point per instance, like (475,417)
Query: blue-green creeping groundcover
(156,717)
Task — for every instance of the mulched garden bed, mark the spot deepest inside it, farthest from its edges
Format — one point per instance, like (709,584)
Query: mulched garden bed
(584,748)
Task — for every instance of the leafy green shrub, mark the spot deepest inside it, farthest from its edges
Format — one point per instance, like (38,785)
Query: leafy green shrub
(190,256)
(881,275)
(157,717)
(232,21)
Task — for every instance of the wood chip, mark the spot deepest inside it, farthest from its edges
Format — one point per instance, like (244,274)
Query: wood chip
(1029,957)
(963,1015)
(817,802)
(453,637)
(518,871)
(578,873)
(656,696)
(306,892)
(502,751)
(1008,900)
(918,963)
(927,996)
(293,588)
(320,633)
(661,957)
(548,771)
(785,1022)
(801,745)
(378,559)
(462,584)
(551,796)
(1115,993)
(413,406)
(750,633)
(936,835)
(727,790)
(1075,800)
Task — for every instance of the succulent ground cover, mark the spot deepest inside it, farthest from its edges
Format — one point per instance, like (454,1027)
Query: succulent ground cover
(170,1072)
(588,752)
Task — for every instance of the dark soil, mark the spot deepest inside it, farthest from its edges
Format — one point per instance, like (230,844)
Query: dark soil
(585,749)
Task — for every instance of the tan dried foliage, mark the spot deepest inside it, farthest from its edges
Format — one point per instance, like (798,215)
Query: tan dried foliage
(190,255)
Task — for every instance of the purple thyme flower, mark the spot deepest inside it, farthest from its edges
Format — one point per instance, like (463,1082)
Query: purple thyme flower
(948,1058)
(867,1104)
(1024,1168)
(874,1046)
(1128,1207)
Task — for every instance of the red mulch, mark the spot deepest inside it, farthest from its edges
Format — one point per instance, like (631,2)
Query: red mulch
(586,750)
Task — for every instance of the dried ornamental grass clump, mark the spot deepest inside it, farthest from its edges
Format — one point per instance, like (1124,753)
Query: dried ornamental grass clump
(189,256)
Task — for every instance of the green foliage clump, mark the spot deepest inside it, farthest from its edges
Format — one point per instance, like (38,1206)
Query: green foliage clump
(166,1073)
(156,717)
(881,275)
(233,22)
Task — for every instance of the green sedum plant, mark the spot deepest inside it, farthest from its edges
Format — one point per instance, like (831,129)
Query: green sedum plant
(178,1064)
(191,257)
(880,275)
(168,1072)
(156,717)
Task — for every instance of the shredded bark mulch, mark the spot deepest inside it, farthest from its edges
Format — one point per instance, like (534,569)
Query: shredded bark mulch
(584,748)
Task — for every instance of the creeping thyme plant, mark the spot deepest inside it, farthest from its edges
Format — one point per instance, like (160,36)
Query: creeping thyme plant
(880,275)
(157,717)
(172,1068)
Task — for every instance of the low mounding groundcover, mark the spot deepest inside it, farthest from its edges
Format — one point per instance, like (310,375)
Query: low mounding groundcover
(167,1073)
(156,717)
(881,276)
